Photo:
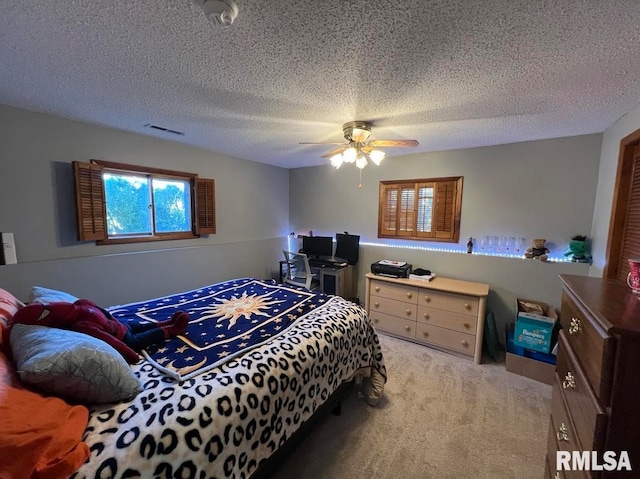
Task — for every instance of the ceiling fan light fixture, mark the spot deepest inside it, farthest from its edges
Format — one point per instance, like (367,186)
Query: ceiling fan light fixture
(337,160)
(361,162)
(377,156)
(359,149)
(350,155)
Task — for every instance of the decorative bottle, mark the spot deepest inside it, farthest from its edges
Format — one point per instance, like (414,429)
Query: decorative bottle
(470,246)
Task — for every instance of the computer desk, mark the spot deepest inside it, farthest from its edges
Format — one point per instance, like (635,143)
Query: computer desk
(341,281)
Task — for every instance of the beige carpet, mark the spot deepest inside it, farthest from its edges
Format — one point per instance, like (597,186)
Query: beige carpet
(441,417)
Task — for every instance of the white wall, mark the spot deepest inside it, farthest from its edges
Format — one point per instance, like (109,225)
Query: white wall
(606,184)
(38,206)
(533,189)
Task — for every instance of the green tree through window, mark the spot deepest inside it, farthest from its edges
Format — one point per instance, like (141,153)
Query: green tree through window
(128,199)
(172,205)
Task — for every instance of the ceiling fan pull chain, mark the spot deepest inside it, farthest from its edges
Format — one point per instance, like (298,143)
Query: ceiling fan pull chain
(360,184)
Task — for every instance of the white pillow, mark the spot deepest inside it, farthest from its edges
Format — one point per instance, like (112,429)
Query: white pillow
(72,365)
(42,295)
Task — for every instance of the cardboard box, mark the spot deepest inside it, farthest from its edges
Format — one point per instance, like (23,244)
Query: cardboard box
(525,362)
(530,368)
(532,330)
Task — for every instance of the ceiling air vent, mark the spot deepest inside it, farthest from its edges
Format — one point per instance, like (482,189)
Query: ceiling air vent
(162,128)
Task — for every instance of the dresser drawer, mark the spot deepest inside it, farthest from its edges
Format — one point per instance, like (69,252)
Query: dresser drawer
(551,466)
(398,292)
(394,325)
(455,303)
(563,430)
(447,338)
(588,417)
(393,307)
(447,319)
(562,435)
(593,347)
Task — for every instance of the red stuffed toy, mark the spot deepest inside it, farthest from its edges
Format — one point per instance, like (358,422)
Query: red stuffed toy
(85,317)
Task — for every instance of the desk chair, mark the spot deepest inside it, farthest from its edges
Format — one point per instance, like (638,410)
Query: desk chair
(298,271)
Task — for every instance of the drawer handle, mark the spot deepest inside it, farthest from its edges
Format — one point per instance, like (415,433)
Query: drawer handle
(407,328)
(376,304)
(425,333)
(409,295)
(427,299)
(377,288)
(466,325)
(562,433)
(575,326)
(467,306)
(376,320)
(408,311)
(569,381)
(426,315)
(464,343)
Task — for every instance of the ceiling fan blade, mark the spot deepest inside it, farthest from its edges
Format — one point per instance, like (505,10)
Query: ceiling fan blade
(335,152)
(390,143)
(321,143)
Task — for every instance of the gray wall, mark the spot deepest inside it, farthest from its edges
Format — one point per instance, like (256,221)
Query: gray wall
(36,194)
(533,189)
(543,188)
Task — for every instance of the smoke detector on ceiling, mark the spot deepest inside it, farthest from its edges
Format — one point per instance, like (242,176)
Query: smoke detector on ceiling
(221,13)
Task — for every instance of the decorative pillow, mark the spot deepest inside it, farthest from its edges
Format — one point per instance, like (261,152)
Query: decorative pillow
(41,436)
(9,304)
(72,365)
(42,295)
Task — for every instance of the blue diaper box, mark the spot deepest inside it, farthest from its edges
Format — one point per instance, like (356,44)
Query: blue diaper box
(534,330)
(513,348)
(527,362)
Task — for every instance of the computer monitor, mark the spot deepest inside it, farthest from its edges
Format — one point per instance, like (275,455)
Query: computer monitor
(317,246)
(347,247)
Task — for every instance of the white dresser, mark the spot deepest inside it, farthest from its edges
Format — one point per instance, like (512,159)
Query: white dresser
(443,313)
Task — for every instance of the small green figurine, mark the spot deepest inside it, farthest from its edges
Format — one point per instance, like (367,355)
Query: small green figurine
(579,248)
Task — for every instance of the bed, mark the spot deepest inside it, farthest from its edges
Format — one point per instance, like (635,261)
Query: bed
(258,361)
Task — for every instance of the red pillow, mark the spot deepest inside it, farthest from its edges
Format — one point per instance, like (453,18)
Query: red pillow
(41,437)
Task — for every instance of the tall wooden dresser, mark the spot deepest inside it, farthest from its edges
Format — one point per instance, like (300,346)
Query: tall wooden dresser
(595,403)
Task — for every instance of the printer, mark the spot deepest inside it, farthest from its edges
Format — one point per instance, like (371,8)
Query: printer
(393,269)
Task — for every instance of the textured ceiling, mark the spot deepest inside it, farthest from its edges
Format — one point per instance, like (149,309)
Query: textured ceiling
(449,73)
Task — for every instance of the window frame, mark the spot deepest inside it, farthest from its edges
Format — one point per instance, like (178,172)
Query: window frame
(447,209)
(91,202)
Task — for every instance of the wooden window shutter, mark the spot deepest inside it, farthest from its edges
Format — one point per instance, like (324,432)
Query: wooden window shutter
(205,206)
(443,220)
(631,232)
(407,210)
(388,210)
(90,202)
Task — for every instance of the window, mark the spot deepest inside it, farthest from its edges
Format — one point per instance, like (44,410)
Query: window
(119,203)
(425,209)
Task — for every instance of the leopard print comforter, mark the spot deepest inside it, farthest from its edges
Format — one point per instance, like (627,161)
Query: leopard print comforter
(224,423)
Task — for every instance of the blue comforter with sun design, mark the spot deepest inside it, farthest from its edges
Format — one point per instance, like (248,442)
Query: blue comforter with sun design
(226,320)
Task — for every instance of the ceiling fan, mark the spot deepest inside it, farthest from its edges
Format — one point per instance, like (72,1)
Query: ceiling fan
(360,150)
